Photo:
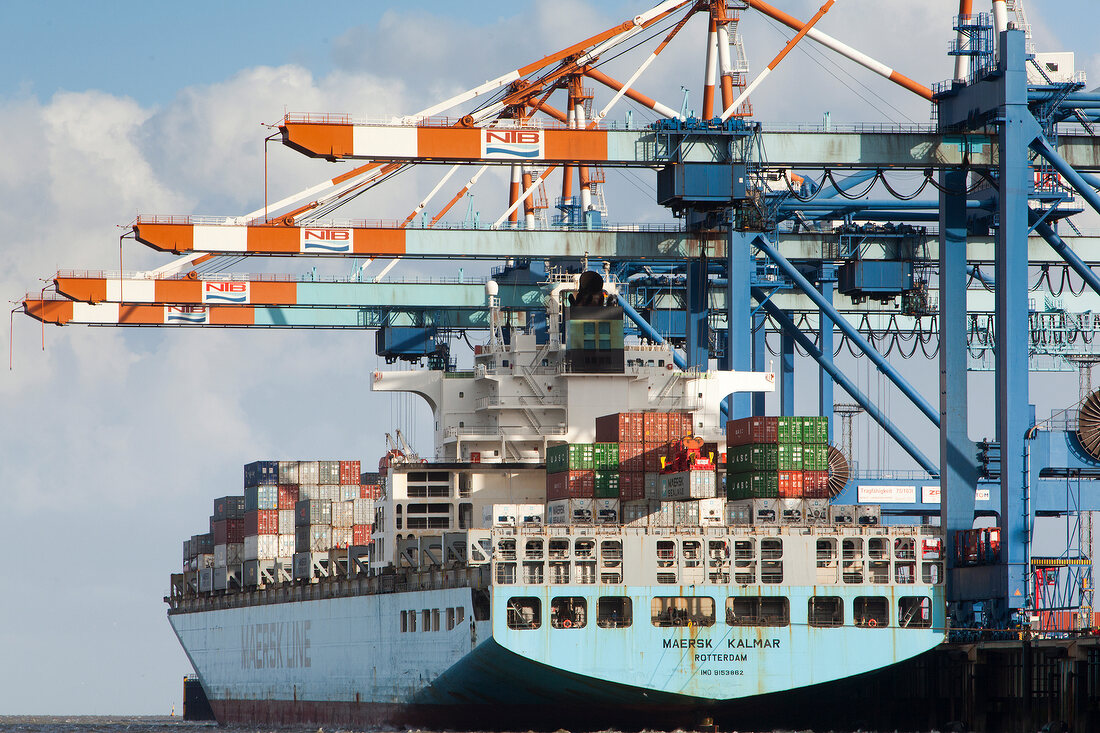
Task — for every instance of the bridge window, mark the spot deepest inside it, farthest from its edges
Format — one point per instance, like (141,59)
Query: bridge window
(524,612)
(852,556)
(611,562)
(533,549)
(915,612)
(771,560)
(871,611)
(614,612)
(905,548)
(718,561)
(568,612)
(827,560)
(932,573)
(744,561)
(506,573)
(682,611)
(758,611)
(825,611)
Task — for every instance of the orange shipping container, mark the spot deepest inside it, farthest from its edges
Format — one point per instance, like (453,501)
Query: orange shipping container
(790,484)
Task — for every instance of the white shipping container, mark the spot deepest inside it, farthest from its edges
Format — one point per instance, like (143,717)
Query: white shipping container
(712,512)
(261,546)
(637,513)
(689,485)
(206,580)
(530,514)
(330,493)
(752,511)
(309,491)
(349,492)
(606,511)
(362,511)
(569,511)
(680,513)
(842,514)
(342,536)
(286,545)
(342,514)
(790,511)
(309,472)
(204,561)
(286,521)
(738,512)
(498,515)
(234,553)
(219,556)
(288,472)
(653,486)
(221,577)
(868,514)
(815,511)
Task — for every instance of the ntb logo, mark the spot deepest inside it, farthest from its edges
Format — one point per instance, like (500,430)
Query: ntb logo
(193,315)
(326,241)
(232,293)
(512,144)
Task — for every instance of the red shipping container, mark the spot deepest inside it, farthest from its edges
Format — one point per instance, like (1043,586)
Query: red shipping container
(750,430)
(370,491)
(815,484)
(360,534)
(679,425)
(288,496)
(234,531)
(557,486)
(655,428)
(651,459)
(349,472)
(261,521)
(790,484)
(219,528)
(631,485)
(620,427)
(631,458)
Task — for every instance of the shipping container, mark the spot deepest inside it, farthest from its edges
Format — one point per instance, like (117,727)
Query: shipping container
(229,507)
(815,457)
(712,512)
(234,553)
(678,514)
(815,511)
(287,545)
(261,472)
(261,547)
(361,534)
(790,484)
(330,492)
(261,497)
(605,456)
(573,485)
(498,515)
(309,491)
(637,513)
(569,511)
(350,473)
(750,430)
(202,543)
(312,512)
(228,531)
(632,457)
(842,514)
(342,514)
(305,564)
(654,457)
(790,511)
(753,511)
(815,430)
(370,491)
(606,484)
(752,485)
(789,456)
(655,428)
(788,429)
(286,522)
(219,555)
(313,538)
(341,537)
(288,496)
(652,486)
(204,559)
(570,457)
(605,511)
(309,472)
(754,457)
(187,554)
(349,492)
(621,427)
(362,511)
(328,472)
(689,485)
(261,521)
(815,484)
(868,514)
(530,514)
(631,486)
(288,472)
(206,580)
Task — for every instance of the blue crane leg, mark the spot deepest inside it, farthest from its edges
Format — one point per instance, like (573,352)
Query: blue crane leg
(786,371)
(826,284)
(739,269)
(759,356)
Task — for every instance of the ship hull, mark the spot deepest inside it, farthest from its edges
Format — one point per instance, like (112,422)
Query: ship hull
(364,661)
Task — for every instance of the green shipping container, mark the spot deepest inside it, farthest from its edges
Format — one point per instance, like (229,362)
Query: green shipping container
(789,429)
(789,456)
(607,484)
(756,457)
(605,455)
(752,485)
(815,457)
(815,431)
(572,457)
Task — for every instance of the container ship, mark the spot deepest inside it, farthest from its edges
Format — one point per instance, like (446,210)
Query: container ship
(590,544)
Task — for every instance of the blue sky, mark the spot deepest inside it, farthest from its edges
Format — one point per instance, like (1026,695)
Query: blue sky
(114,443)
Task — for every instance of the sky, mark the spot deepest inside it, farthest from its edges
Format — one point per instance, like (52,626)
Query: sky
(114,443)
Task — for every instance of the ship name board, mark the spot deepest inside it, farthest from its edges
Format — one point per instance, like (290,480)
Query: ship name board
(276,645)
(730,643)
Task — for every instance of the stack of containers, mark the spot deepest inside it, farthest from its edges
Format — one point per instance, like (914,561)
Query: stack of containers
(776,463)
(570,483)
(261,511)
(227,527)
